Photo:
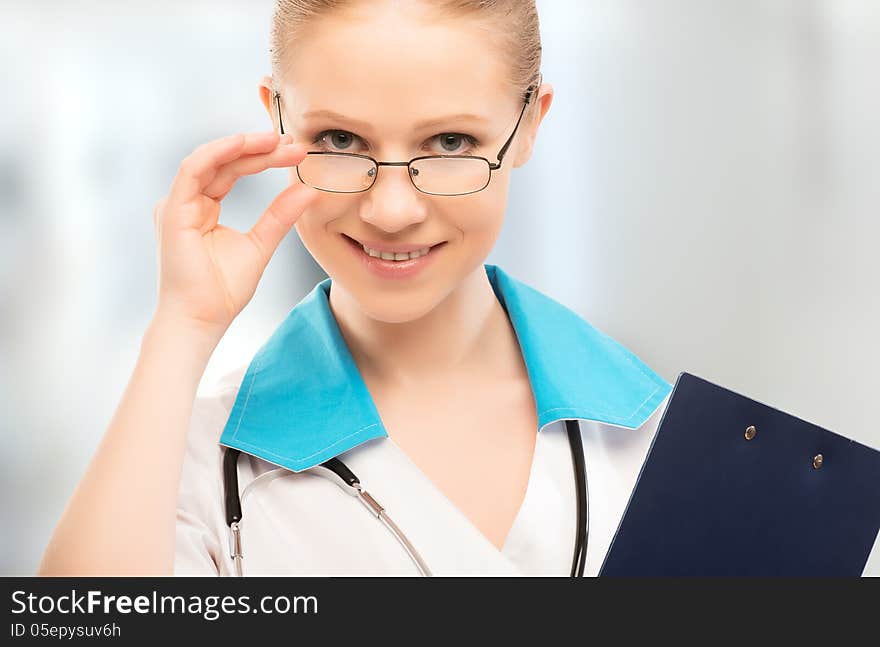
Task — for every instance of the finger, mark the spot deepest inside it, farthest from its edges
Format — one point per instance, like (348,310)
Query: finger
(279,217)
(199,167)
(157,212)
(285,155)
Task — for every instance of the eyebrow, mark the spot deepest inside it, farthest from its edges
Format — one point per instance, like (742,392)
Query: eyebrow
(425,123)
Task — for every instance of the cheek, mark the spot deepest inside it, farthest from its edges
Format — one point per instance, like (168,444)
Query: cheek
(482,216)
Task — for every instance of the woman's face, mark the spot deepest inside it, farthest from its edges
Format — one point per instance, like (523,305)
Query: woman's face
(383,68)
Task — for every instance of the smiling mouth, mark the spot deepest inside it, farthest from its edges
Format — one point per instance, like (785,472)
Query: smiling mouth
(360,247)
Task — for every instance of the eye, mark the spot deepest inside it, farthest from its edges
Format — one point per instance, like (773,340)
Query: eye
(339,140)
(451,143)
(342,141)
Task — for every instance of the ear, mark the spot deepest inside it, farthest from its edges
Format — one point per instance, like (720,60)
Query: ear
(527,138)
(267,96)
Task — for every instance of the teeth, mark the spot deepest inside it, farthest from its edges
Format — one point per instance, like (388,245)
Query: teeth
(396,256)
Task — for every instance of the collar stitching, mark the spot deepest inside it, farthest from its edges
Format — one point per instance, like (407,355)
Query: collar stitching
(295,459)
(258,365)
(602,412)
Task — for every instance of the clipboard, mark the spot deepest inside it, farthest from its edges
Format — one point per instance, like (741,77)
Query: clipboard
(734,487)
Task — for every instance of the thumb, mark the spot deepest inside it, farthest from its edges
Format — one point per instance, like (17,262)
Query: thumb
(280,216)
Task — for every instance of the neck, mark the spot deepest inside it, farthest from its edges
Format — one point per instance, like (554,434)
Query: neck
(468,328)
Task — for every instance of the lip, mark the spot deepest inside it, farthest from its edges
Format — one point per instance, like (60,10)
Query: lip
(395,270)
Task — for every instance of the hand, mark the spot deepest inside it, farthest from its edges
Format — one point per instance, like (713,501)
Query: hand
(208,272)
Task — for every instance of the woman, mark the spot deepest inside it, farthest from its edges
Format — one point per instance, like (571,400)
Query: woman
(442,382)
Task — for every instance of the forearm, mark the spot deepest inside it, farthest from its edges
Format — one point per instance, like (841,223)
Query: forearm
(121,517)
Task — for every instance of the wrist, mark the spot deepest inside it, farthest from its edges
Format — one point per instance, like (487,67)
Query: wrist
(167,329)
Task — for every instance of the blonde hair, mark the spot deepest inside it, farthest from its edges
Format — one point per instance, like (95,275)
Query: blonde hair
(514,23)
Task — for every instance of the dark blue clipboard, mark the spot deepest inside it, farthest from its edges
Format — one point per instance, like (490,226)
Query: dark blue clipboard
(709,501)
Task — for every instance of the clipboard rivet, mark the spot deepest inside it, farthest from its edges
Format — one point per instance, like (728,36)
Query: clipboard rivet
(817,461)
(750,432)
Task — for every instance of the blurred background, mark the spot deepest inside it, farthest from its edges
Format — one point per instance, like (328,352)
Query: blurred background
(703,189)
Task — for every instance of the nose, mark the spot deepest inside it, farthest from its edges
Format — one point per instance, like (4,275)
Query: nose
(393,203)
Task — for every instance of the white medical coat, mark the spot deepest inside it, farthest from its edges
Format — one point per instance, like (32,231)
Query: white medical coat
(296,405)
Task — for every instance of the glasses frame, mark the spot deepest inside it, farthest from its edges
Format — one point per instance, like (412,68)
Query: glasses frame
(376,163)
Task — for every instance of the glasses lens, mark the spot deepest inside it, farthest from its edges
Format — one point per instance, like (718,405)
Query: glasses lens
(450,175)
(336,172)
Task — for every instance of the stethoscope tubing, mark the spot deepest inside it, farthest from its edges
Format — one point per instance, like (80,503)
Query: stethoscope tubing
(337,471)
(583,500)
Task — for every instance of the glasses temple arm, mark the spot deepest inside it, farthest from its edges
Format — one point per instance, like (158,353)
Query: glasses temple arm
(521,113)
(278,105)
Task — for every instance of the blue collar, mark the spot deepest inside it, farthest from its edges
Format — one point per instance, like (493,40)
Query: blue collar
(302,400)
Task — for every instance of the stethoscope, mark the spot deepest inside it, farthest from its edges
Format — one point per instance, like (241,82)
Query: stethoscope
(336,471)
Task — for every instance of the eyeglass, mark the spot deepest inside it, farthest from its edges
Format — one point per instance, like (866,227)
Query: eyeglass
(432,174)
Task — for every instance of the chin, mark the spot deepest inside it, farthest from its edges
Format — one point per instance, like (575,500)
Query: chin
(395,309)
